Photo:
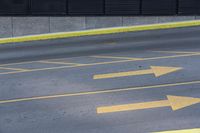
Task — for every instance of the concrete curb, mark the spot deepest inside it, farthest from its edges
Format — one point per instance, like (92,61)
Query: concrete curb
(100,31)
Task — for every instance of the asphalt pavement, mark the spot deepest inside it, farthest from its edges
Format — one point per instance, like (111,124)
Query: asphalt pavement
(137,82)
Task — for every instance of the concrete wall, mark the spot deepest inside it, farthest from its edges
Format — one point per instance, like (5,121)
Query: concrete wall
(19,26)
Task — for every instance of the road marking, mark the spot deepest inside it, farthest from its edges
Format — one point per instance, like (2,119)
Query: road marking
(36,70)
(61,63)
(27,62)
(63,67)
(104,63)
(15,69)
(103,31)
(177,52)
(175,102)
(97,92)
(156,70)
(19,63)
(117,57)
(14,72)
(196,130)
(40,61)
(173,56)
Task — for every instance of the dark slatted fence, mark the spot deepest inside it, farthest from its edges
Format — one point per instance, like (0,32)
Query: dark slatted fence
(86,7)
(159,7)
(14,7)
(48,7)
(187,7)
(122,7)
(99,7)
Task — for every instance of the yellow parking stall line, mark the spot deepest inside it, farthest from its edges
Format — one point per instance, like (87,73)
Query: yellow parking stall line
(63,67)
(61,63)
(117,57)
(106,63)
(176,52)
(172,56)
(19,63)
(14,72)
(128,59)
(40,61)
(96,92)
(15,69)
(151,58)
(40,69)
(196,130)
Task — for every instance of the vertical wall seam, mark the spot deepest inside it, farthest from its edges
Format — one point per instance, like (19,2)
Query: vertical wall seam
(122,20)
(85,22)
(12,26)
(49,24)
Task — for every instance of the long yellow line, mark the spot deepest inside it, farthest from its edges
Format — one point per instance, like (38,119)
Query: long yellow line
(101,31)
(134,106)
(14,69)
(152,58)
(60,63)
(110,57)
(117,57)
(173,56)
(103,63)
(176,52)
(96,92)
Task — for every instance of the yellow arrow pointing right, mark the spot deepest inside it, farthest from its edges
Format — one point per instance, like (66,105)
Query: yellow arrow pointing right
(175,102)
(197,130)
(156,70)
(179,102)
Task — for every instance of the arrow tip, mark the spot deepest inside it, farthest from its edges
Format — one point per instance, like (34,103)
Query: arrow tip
(160,70)
(179,102)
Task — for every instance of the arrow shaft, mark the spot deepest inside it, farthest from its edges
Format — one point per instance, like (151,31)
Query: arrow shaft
(132,107)
(123,74)
(196,130)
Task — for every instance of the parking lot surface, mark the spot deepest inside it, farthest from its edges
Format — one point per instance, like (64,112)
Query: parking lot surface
(135,83)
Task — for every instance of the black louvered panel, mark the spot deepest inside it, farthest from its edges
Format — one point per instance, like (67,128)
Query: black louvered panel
(122,7)
(86,7)
(14,7)
(198,7)
(48,7)
(159,7)
(188,7)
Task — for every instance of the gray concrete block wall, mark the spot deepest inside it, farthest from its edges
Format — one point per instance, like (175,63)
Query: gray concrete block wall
(30,25)
(19,26)
(6,27)
(197,17)
(103,22)
(128,21)
(61,24)
(175,18)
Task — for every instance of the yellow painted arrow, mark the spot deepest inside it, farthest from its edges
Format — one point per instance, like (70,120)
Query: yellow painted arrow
(196,130)
(175,102)
(156,70)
